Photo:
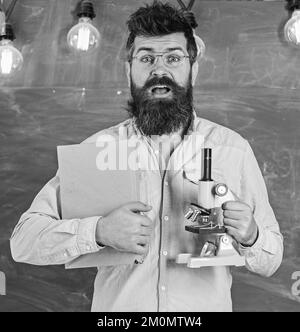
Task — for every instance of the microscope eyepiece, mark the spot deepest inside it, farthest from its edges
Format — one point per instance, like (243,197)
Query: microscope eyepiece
(207,165)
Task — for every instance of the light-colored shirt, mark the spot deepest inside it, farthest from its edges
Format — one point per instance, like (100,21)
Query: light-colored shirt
(41,237)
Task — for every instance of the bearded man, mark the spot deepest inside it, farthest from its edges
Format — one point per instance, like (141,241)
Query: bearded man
(162,68)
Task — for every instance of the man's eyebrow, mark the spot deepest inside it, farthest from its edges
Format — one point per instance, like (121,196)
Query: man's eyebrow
(178,48)
(150,49)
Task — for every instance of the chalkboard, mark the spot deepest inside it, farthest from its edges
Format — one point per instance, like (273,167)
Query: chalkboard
(249,81)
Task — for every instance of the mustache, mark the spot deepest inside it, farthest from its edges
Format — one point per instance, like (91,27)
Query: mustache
(167,81)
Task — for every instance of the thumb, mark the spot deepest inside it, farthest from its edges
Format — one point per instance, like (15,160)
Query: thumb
(137,207)
(230,197)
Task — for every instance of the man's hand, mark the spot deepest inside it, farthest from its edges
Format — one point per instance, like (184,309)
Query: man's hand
(126,229)
(239,222)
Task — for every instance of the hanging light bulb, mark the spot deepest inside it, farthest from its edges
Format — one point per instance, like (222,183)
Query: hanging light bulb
(292,27)
(84,37)
(11,59)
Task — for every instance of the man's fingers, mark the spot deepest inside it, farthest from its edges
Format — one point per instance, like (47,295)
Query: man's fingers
(142,240)
(137,207)
(146,231)
(141,249)
(234,205)
(233,232)
(231,222)
(231,214)
(146,221)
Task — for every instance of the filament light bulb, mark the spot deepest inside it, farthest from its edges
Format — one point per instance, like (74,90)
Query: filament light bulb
(292,29)
(11,59)
(6,61)
(84,36)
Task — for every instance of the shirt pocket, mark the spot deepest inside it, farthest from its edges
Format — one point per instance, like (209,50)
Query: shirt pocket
(190,185)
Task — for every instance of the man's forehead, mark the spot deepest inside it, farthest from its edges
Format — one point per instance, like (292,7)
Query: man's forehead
(161,43)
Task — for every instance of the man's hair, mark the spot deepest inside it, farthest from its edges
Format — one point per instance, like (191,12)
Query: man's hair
(159,19)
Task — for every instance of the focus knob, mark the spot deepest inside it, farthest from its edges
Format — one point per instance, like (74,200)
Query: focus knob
(221,189)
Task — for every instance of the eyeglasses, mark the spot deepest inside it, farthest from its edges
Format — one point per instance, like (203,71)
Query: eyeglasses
(170,59)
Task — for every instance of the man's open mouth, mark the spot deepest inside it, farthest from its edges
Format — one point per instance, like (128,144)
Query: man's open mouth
(160,91)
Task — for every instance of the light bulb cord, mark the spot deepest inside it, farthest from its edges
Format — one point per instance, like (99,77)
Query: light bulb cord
(293,5)
(10,9)
(187,13)
(187,8)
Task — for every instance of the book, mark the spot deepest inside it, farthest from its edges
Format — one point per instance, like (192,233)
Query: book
(93,182)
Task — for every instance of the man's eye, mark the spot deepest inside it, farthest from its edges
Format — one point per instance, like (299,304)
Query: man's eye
(147,59)
(172,58)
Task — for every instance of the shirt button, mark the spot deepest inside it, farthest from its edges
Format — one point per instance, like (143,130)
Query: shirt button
(156,152)
(163,288)
(88,248)
(165,253)
(65,254)
(166,183)
(166,218)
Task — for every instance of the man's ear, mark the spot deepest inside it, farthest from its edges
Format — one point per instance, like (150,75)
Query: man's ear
(195,69)
(128,69)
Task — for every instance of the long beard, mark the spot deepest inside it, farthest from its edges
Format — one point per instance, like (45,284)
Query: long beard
(158,116)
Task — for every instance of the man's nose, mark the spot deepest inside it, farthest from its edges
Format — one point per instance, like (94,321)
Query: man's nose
(159,68)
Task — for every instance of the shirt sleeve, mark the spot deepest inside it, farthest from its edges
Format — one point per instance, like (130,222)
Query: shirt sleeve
(265,256)
(41,237)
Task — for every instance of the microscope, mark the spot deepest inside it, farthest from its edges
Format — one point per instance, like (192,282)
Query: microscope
(206,220)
